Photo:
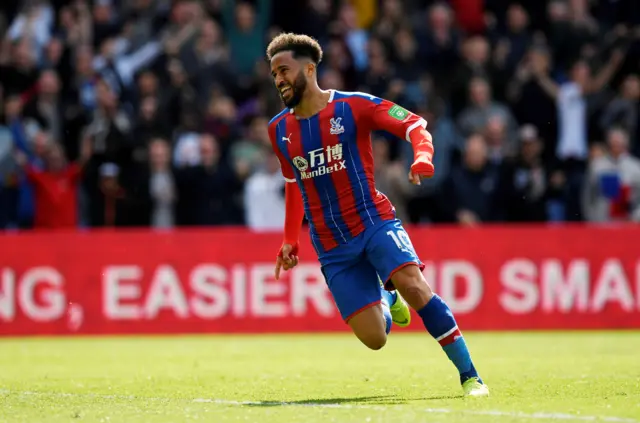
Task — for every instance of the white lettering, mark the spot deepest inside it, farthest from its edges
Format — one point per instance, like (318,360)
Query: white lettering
(334,152)
(211,299)
(121,283)
(308,286)
(166,292)
(612,286)
(53,297)
(450,271)
(7,295)
(318,155)
(565,293)
(521,295)
(239,295)
(323,170)
(261,288)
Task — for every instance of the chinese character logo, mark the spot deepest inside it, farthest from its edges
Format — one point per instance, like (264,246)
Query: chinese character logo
(334,153)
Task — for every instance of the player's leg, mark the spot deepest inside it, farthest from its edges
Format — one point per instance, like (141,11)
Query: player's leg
(400,313)
(399,266)
(357,294)
(440,323)
(370,326)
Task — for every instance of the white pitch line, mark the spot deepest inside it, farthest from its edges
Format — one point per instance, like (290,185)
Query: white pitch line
(496,413)
(539,415)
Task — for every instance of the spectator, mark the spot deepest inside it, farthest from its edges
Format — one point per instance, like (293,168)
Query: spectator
(438,43)
(531,103)
(56,188)
(424,202)
(162,185)
(264,196)
(525,180)
(612,192)
(500,144)
(472,187)
(391,177)
(476,63)
(482,109)
(245,28)
(623,111)
(512,47)
(208,190)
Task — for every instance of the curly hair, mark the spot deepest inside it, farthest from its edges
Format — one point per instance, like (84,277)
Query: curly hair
(299,44)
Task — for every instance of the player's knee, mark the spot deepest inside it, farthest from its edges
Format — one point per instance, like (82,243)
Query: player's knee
(375,342)
(413,287)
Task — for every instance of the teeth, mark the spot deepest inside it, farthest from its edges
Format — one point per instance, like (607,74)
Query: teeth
(284,90)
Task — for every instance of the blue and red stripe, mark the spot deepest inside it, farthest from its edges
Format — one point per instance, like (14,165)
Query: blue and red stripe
(368,105)
(358,173)
(323,184)
(313,202)
(346,202)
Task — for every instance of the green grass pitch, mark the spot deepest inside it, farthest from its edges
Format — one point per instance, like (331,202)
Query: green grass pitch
(533,376)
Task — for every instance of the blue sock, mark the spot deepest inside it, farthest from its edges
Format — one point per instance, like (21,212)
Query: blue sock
(388,299)
(387,318)
(440,323)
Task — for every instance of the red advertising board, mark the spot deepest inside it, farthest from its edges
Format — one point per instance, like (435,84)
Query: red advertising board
(221,281)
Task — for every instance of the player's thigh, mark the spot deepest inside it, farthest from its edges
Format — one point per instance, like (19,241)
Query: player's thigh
(389,249)
(413,287)
(356,292)
(392,253)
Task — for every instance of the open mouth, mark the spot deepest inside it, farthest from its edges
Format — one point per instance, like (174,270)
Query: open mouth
(285,90)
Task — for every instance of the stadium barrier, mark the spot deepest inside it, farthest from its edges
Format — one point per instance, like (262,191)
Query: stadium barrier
(221,280)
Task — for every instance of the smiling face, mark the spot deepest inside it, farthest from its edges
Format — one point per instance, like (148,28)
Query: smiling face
(290,77)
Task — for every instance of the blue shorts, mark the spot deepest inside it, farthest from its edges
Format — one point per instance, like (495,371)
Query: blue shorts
(352,269)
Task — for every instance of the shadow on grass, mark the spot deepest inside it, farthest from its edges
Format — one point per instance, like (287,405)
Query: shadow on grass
(345,402)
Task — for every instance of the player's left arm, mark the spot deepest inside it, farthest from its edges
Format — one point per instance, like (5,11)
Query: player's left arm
(390,117)
(294,211)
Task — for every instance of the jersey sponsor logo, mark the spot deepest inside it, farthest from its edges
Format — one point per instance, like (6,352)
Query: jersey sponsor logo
(398,112)
(287,139)
(336,126)
(300,163)
(321,162)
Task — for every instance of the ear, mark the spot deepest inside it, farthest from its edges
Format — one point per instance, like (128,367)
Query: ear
(310,69)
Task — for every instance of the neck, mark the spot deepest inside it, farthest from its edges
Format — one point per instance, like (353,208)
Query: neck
(313,100)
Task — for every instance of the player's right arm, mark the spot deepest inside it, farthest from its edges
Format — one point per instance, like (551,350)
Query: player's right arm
(294,212)
(380,114)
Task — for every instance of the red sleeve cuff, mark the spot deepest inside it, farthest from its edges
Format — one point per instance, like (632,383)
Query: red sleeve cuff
(422,144)
(294,213)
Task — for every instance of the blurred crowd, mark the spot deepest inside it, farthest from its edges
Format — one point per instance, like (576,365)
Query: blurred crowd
(155,112)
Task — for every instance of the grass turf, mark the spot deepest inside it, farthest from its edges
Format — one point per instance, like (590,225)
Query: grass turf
(536,376)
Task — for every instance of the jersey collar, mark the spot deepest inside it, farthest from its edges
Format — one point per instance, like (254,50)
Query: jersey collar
(332,93)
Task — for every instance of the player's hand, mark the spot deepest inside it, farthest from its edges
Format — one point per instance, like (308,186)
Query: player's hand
(422,167)
(287,258)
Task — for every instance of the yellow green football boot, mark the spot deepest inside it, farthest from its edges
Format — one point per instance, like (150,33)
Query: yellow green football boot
(400,313)
(474,388)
